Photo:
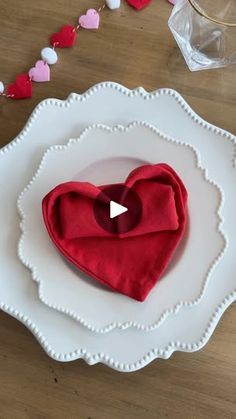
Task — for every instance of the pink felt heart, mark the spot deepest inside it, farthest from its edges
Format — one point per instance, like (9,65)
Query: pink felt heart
(90,20)
(41,72)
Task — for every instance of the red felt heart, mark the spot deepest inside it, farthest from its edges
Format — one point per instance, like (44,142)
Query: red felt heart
(21,89)
(65,38)
(139,4)
(130,263)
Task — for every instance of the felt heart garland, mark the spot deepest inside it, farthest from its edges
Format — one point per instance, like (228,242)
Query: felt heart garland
(65,38)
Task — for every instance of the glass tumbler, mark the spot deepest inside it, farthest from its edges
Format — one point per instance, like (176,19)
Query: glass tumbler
(205,31)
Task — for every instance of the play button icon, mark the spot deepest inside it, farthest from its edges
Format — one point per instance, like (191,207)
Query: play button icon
(117,209)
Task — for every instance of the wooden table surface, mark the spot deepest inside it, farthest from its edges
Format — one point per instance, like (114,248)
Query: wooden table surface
(134,49)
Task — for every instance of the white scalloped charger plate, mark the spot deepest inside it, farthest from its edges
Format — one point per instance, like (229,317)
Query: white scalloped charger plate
(51,123)
(103,156)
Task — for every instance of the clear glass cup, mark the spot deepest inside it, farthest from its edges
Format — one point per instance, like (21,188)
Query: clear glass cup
(205,31)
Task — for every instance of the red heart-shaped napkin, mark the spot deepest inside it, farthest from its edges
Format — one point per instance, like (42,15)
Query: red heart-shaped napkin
(139,4)
(65,38)
(21,89)
(130,263)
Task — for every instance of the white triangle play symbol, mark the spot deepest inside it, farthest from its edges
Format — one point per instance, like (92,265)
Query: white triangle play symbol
(116,209)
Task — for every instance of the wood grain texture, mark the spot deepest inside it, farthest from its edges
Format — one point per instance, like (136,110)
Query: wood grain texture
(133,49)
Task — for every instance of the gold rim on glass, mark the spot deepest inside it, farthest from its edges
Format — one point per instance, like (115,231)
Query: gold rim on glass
(201,12)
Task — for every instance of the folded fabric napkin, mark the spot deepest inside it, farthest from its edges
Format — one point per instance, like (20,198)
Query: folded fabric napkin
(130,263)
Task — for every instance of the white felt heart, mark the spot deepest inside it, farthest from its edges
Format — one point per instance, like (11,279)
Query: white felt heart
(113,4)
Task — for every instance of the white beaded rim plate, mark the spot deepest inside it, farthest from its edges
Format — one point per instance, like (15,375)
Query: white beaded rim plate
(61,338)
(69,290)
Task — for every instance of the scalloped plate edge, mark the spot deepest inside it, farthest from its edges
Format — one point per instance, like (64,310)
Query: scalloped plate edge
(172,346)
(126,324)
